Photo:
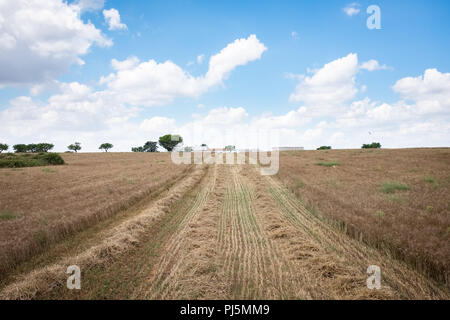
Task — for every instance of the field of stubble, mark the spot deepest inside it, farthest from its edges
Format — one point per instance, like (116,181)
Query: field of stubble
(42,205)
(226,232)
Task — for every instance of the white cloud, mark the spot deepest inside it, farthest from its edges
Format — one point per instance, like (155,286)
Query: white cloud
(425,105)
(292,119)
(78,112)
(158,125)
(373,65)
(238,53)
(126,64)
(430,92)
(151,83)
(352,9)
(421,119)
(225,116)
(39,40)
(112,18)
(330,87)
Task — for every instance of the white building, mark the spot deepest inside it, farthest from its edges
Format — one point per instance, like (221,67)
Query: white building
(290,148)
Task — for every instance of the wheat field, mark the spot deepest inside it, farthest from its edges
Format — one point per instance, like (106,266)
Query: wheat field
(210,232)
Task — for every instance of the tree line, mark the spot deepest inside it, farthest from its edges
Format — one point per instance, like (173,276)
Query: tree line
(168,142)
(25,148)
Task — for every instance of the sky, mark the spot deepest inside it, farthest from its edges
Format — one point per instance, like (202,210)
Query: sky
(246,73)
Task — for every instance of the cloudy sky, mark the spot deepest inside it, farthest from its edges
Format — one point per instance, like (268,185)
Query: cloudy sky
(310,73)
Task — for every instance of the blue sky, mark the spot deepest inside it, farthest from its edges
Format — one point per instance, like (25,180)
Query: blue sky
(275,86)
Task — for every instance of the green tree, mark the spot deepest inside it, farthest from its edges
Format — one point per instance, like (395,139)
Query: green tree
(373,145)
(75,147)
(324,148)
(3,147)
(151,146)
(44,147)
(230,148)
(169,141)
(20,148)
(106,146)
(32,147)
(188,149)
(137,149)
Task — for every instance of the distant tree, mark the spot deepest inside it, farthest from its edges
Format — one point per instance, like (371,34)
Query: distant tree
(230,148)
(106,146)
(32,147)
(203,145)
(137,149)
(20,148)
(373,145)
(151,146)
(44,147)
(169,141)
(324,148)
(188,149)
(75,147)
(3,147)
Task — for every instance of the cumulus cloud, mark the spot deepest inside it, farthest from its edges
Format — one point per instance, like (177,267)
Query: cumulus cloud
(39,40)
(78,112)
(75,112)
(330,87)
(352,9)
(430,92)
(373,65)
(126,64)
(151,83)
(420,118)
(330,92)
(238,53)
(156,125)
(292,119)
(112,18)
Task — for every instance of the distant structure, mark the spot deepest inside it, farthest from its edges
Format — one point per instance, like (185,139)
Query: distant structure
(290,148)
(217,150)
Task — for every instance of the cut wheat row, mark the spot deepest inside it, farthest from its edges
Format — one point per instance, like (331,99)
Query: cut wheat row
(399,280)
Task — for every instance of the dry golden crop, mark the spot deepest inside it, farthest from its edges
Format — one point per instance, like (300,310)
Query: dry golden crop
(41,205)
(227,232)
(396,200)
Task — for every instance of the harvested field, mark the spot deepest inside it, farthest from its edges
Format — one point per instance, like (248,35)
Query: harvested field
(222,232)
(396,200)
(40,206)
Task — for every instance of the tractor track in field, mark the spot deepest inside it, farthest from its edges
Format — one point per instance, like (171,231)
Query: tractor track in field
(247,237)
(229,233)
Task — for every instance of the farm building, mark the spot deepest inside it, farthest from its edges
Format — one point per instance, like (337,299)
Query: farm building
(290,148)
